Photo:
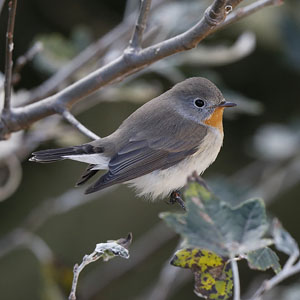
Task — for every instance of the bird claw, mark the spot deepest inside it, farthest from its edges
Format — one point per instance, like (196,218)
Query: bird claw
(176,198)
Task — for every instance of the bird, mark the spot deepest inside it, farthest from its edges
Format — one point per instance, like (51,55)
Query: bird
(158,146)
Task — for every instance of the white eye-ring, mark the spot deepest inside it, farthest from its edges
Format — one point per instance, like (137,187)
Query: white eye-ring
(199,102)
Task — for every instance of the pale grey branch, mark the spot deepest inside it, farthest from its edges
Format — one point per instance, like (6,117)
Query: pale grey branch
(14,176)
(71,119)
(288,270)
(249,9)
(1,5)
(137,36)
(24,59)
(146,245)
(94,51)
(12,5)
(107,251)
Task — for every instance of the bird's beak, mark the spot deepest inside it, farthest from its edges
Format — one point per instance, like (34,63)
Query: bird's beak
(226,104)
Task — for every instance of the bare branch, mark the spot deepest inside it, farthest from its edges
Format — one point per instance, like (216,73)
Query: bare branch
(14,177)
(269,284)
(137,36)
(22,237)
(24,59)
(91,52)
(248,10)
(125,65)
(107,251)
(12,5)
(146,245)
(71,119)
(1,5)
(233,3)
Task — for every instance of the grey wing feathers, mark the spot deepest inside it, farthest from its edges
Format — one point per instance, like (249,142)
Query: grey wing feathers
(87,174)
(140,157)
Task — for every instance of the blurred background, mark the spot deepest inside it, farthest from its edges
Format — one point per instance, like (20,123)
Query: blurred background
(46,225)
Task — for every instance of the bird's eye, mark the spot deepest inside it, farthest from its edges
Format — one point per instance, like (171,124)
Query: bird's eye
(199,103)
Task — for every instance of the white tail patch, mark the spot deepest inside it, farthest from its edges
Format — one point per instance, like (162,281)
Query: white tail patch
(99,160)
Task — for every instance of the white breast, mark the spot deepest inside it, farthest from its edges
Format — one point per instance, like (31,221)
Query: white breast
(161,183)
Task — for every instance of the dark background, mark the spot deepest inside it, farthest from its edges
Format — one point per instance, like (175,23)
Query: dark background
(270,75)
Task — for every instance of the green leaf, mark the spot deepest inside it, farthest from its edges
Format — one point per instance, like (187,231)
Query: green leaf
(263,259)
(283,240)
(212,224)
(213,275)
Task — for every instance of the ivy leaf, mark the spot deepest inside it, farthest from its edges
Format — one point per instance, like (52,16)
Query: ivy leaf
(213,224)
(263,259)
(284,242)
(213,275)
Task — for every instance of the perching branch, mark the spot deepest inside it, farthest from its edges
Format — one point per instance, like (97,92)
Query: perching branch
(125,65)
(137,36)
(12,5)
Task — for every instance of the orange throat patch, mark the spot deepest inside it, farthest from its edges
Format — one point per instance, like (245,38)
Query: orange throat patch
(216,119)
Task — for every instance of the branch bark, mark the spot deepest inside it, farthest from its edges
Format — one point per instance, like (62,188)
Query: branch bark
(125,65)
(137,36)
(95,50)
(1,5)
(71,119)
(12,5)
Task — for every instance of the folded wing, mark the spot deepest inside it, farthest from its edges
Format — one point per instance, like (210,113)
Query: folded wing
(142,155)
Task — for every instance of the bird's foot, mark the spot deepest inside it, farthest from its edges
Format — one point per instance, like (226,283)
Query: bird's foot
(176,198)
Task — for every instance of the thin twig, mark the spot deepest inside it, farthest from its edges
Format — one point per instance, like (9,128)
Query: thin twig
(248,10)
(137,35)
(130,7)
(107,251)
(14,177)
(157,236)
(269,284)
(24,59)
(94,51)
(1,5)
(12,5)
(71,119)
(123,66)
(22,237)
(233,3)
(236,280)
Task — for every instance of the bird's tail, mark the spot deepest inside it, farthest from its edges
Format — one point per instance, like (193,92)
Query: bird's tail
(52,155)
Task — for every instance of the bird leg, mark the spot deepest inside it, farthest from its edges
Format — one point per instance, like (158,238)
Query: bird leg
(176,198)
